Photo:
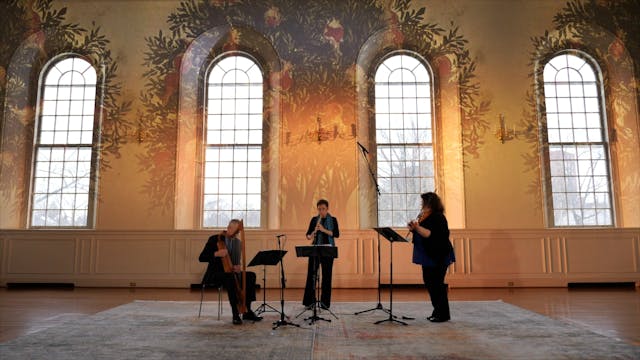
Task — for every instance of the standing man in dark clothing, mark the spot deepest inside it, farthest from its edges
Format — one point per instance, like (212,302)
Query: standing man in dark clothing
(323,230)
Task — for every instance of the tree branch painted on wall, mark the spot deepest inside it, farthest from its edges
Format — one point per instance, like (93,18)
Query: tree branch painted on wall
(44,29)
(318,44)
(604,29)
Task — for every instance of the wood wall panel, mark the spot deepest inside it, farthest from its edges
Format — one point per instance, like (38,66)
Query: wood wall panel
(505,255)
(133,256)
(583,259)
(547,257)
(41,256)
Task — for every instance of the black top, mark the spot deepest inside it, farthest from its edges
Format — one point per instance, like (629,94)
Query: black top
(215,263)
(323,239)
(438,245)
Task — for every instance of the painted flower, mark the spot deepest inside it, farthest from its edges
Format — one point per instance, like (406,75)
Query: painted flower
(351,73)
(162,158)
(272,17)
(3,77)
(37,41)
(443,64)
(390,16)
(233,40)
(334,33)
(616,49)
(172,80)
(32,19)
(395,36)
(282,79)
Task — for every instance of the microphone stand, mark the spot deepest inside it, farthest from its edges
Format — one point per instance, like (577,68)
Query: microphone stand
(282,320)
(379,306)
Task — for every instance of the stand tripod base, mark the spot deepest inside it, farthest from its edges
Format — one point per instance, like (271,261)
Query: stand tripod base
(314,317)
(264,307)
(391,319)
(378,307)
(283,322)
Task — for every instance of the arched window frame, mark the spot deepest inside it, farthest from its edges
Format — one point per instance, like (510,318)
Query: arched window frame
(66,109)
(212,179)
(597,208)
(395,208)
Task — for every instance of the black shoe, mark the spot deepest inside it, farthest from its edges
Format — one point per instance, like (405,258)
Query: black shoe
(251,316)
(437,319)
(324,307)
(237,320)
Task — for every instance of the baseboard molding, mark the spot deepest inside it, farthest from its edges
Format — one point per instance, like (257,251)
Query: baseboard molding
(39,285)
(607,285)
(199,286)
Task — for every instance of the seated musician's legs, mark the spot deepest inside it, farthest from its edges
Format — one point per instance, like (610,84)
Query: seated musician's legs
(228,283)
(251,288)
(250,296)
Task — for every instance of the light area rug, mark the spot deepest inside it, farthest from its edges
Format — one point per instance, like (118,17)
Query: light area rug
(172,330)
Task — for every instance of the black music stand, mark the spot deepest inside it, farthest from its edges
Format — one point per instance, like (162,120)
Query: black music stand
(379,305)
(264,258)
(314,253)
(392,236)
(282,321)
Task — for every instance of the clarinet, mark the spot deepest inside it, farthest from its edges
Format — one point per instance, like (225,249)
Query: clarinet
(316,238)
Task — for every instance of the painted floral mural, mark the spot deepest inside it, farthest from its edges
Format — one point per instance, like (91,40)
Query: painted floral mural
(33,32)
(314,81)
(607,31)
(318,45)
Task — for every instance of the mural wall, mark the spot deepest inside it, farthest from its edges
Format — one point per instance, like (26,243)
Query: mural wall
(153,56)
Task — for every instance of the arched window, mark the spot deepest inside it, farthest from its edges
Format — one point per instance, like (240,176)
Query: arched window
(578,151)
(64,156)
(404,138)
(233,142)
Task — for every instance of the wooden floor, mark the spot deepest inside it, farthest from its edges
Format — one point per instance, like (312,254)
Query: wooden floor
(611,312)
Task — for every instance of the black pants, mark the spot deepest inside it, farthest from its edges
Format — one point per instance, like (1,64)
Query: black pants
(229,283)
(310,288)
(433,277)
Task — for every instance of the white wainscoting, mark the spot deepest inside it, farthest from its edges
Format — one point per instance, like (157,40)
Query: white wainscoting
(485,258)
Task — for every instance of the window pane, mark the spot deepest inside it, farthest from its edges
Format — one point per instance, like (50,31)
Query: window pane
(234,143)
(580,179)
(62,174)
(403,137)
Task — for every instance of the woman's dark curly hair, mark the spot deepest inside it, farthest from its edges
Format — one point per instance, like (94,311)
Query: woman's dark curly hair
(433,202)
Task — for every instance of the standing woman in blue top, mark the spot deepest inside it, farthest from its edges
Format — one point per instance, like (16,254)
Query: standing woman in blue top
(323,229)
(432,250)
